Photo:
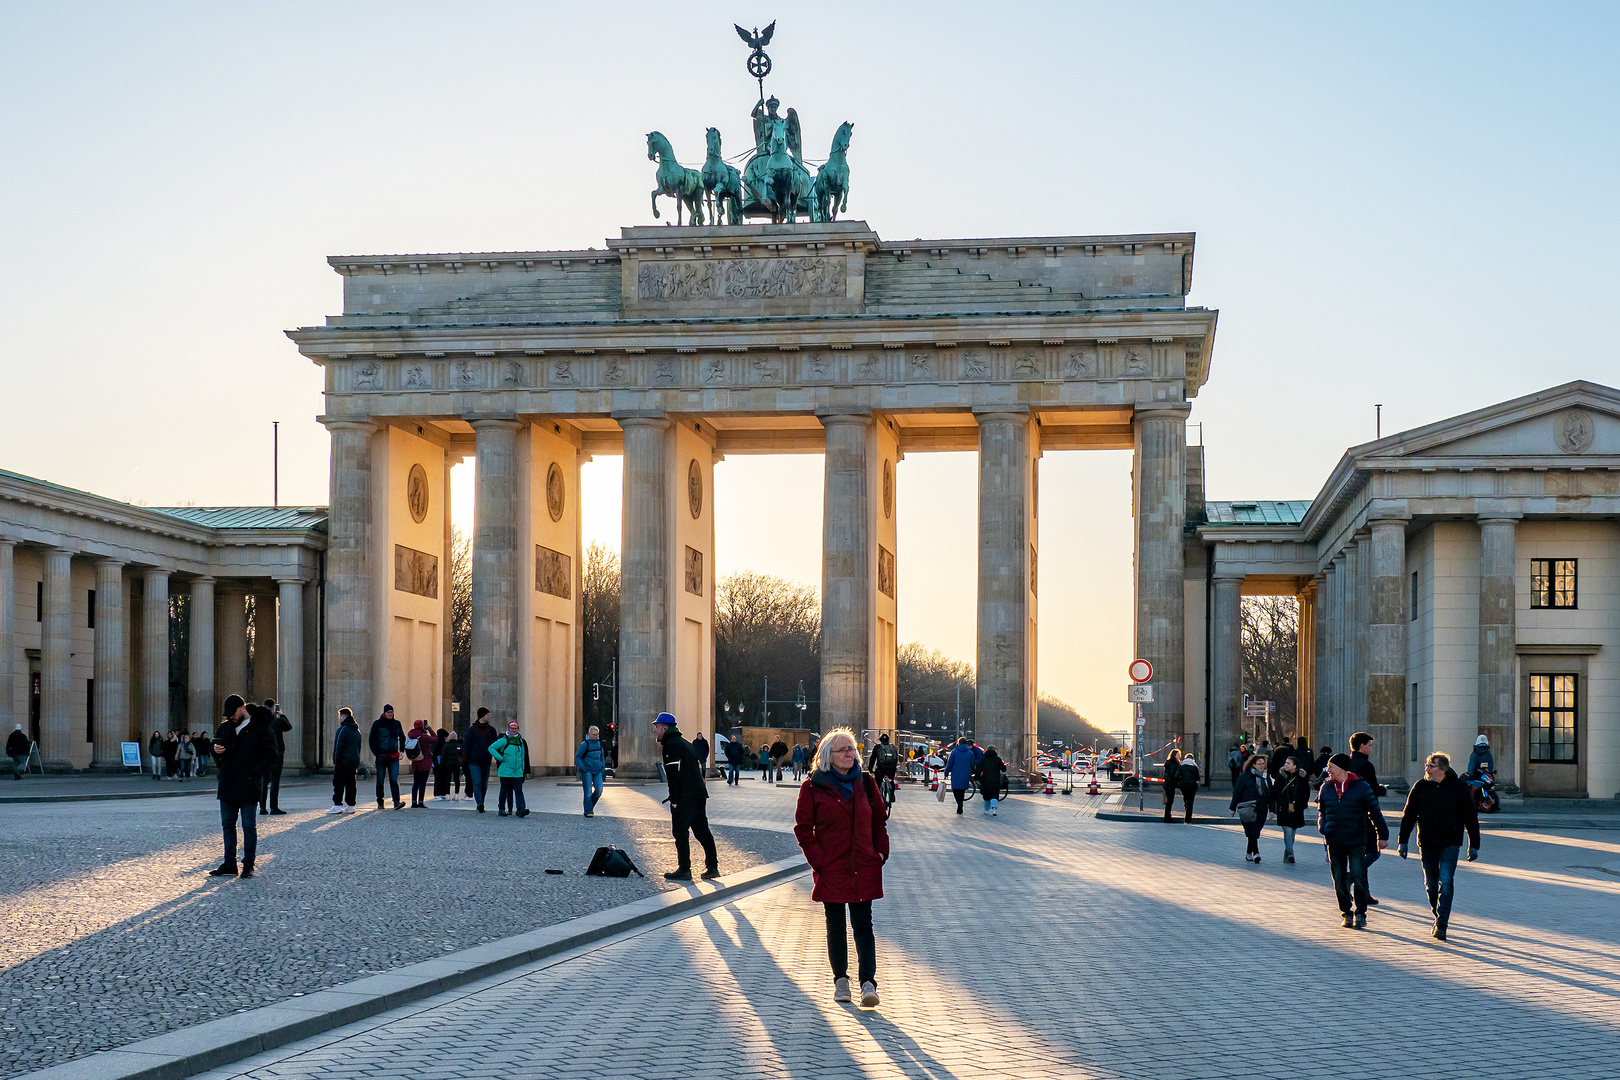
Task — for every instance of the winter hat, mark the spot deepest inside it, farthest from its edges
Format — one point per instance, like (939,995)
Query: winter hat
(482,713)
(233,703)
(1481,741)
(665,718)
(388,708)
(511,725)
(1341,760)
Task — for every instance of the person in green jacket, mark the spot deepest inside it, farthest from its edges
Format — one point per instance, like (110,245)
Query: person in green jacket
(511,754)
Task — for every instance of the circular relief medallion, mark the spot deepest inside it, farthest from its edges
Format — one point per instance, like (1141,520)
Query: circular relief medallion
(1574,432)
(694,488)
(888,489)
(416,493)
(556,494)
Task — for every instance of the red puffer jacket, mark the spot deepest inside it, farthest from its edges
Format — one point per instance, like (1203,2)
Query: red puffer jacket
(846,842)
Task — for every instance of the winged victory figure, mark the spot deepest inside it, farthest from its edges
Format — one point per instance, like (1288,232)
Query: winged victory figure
(759,38)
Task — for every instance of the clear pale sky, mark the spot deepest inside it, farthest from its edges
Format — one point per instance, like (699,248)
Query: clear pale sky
(1406,204)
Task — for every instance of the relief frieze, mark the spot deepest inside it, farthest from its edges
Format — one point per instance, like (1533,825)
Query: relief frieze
(741,279)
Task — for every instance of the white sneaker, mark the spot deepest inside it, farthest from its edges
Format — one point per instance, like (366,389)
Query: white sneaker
(348,809)
(335,810)
(995,811)
(869,997)
(841,990)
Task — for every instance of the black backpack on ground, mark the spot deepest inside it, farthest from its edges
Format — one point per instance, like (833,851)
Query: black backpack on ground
(611,862)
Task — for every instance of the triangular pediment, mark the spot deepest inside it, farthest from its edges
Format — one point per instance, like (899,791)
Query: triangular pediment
(1578,419)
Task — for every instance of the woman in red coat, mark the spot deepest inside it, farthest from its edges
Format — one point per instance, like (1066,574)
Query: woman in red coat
(841,825)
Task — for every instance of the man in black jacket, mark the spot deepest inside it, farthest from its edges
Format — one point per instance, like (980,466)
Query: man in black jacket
(244,749)
(1346,814)
(1361,764)
(387,742)
(18,746)
(1442,807)
(345,762)
(475,752)
(270,783)
(688,801)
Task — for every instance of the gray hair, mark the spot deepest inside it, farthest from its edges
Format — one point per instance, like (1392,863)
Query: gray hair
(824,750)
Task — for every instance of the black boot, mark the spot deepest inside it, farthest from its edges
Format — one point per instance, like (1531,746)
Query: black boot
(247,871)
(683,874)
(224,870)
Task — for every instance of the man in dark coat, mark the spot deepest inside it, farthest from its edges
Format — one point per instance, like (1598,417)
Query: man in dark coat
(1344,807)
(387,741)
(734,760)
(1361,764)
(1442,807)
(244,748)
(18,746)
(700,747)
(475,750)
(688,801)
(779,753)
(270,784)
(345,762)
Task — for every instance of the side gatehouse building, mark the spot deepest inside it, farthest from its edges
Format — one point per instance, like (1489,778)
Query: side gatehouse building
(1458,579)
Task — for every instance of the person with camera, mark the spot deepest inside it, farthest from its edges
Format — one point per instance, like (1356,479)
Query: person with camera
(270,783)
(244,748)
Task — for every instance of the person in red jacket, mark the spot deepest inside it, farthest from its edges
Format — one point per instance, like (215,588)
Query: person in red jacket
(842,827)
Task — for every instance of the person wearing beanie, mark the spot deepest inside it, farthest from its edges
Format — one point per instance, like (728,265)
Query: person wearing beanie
(1361,764)
(511,756)
(244,748)
(387,742)
(475,752)
(688,801)
(345,762)
(1346,810)
(17,747)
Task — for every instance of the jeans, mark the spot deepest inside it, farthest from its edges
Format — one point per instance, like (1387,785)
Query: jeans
(342,784)
(250,833)
(419,779)
(592,783)
(477,782)
(1288,839)
(19,765)
(989,805)
(388,767)
(860,919)
(1348,864)
(511,789)
(731,773)
(1439,870)
(693,816)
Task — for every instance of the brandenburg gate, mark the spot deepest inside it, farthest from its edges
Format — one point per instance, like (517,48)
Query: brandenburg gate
(674,346)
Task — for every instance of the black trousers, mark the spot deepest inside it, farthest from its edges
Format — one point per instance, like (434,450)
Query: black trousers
(342,784)
(860,919)
(693,817)
(1188,793)
(1348,864)
(959,793)
(270,788)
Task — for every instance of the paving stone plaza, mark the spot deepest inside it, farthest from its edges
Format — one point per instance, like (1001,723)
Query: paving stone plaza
(1044,942)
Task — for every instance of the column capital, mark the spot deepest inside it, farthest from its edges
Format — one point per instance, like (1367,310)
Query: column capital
(836,415)
(1338,560)
(1320,578)
(1014,413)
(1498,519)
(290,579)
(203,579)
(1388,511)
(361,425)
(108,560)
(149,573)
(1228,575)
(497,422)
(642,418)
(1161,410)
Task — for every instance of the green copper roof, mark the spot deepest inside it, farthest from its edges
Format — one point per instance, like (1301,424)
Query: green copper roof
(248,517)
(1289,512)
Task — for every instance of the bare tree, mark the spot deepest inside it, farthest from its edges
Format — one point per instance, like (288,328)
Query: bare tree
(1270,629)
(461,622)
(767,627)
(599,616)
(926,683)
(1057,719)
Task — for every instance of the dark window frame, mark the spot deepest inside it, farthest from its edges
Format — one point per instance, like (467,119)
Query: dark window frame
(1412,614)
(90,612)
(1546,593)
(1551,712)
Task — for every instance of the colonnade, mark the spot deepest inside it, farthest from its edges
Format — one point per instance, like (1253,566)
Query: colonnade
(106,622)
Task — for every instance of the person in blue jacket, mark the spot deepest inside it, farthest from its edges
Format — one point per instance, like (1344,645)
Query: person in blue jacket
(591,762)
(960,764)
(1344,806)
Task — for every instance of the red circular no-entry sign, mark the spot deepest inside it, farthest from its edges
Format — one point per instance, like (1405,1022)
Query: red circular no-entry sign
(1141,670)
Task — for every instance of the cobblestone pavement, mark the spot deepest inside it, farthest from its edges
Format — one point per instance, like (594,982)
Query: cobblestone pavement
(112,931)
(1046,943)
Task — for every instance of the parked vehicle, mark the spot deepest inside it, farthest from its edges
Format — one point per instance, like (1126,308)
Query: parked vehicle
(1483,787)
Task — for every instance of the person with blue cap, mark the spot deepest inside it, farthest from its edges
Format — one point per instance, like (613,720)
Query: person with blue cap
(688,800)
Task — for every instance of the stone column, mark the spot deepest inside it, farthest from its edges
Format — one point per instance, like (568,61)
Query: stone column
(448,719)
(55,660)
(846,575)
(1160,508)
(1363,629)
(202,709)
(154,653)
(290,663)
(1004,713)
(265,636)
(1498,657)
(1386,644)
(233,658)
(1336,731)
(312,751)
(1355,605)
(496,572)
(1304,660)
(1226,664)
(1322,615)
(643,592)
(112,678)
(349,675)
(9,716)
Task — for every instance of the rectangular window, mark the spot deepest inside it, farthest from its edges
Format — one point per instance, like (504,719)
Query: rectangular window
(1412,743)
(1552,719)
(1411,609)
(1552,583)
(39,601)
(90,616)
(90,709)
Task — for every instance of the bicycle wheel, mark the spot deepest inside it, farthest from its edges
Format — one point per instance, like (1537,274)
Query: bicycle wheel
(972,790)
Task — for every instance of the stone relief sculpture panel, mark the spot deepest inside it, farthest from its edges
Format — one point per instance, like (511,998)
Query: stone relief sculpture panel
(1027,364)
(1081,364)
(694,571)
(512,373)
(740,279)
(416,493)
(556,492)
(416,572)
(466,375)
(1135,364)
(552,572)
(714,369)
(368,376)
(816,365)
(885,571)
(975,365)
(1574,431)
(562,373)
(766,370)
(416,378)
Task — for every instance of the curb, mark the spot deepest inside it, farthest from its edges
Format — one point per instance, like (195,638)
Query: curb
(218,1042)
(106,795)
(1487,823)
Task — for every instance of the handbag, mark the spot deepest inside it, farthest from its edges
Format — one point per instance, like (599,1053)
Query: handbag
(1246,811)
(940,794)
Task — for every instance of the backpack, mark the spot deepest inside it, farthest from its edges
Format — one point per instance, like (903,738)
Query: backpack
(611,862)
(413,748)
(387,741)
(886,754)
